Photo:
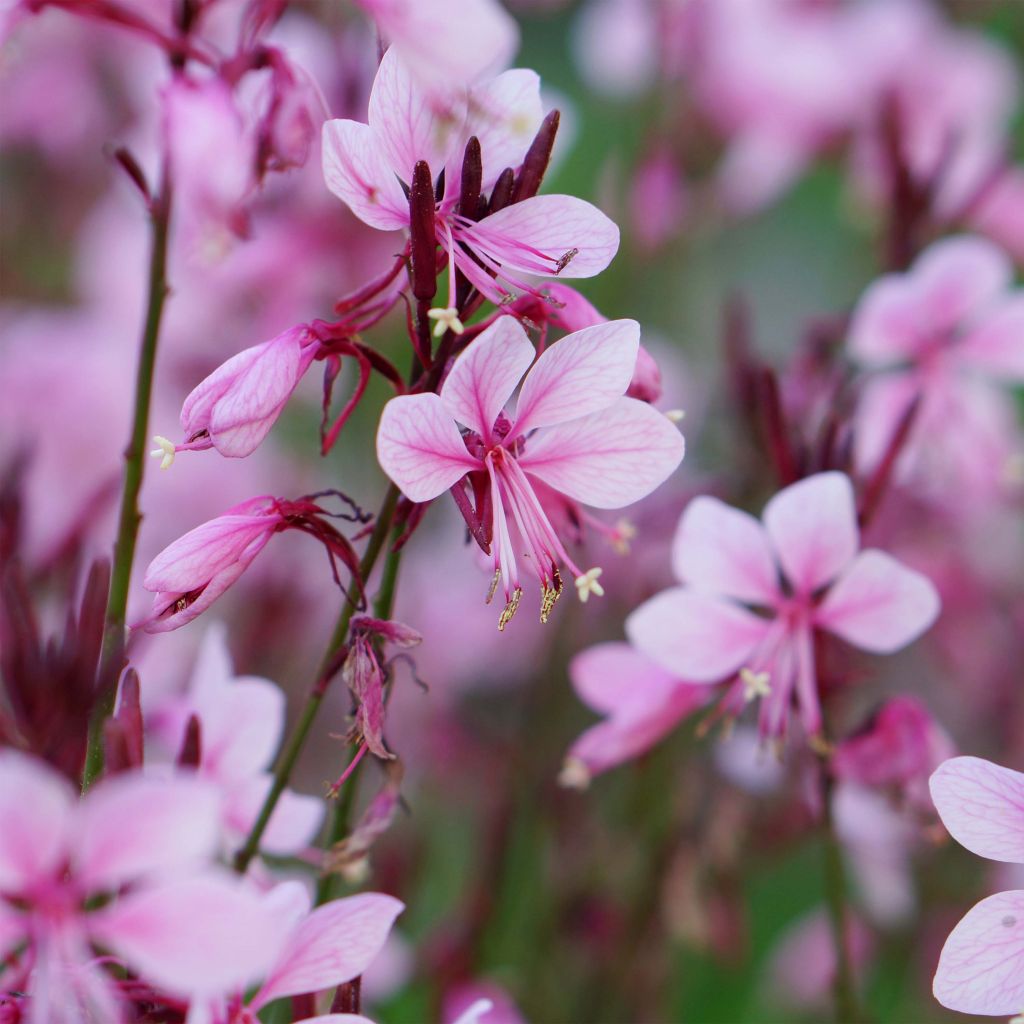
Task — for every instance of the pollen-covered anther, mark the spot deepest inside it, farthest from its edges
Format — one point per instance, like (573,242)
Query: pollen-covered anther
(164,451)
(447,320)
(755,684)
(574,774)
(565,259)
(510,609)
(548,596)
(493,587)
(587,584)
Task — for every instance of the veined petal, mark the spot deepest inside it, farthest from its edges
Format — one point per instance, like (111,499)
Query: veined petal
(357,172)
(412,123)
(982,806)
(504,114)
(878,604)
(195,410)
(134,825)
(608,459)
(701,638)
(584,372)
(996,344)
(813,528)
(293,825)
(35,807)
(420,447)
(535,235)
(719,549)
(609,676)
(241,728)
(482,379)
(336,943)
(981,967)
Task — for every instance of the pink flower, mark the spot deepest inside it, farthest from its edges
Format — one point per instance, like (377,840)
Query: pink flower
(365,165)
(480,1002)
(801,570)
(234,408)
(190,574)
(241,723)
(147,843)
(944,331)
(643,703)
(572,430)
(981,968)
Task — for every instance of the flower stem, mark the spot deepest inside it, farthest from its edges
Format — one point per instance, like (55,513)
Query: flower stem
(844,986)
(135,461)
(296,741)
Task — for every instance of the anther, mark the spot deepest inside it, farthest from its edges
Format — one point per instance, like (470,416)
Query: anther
(494,586)
(510,609)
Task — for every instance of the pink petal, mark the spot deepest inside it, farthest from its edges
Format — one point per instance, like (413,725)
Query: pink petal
(878,604)
(336,943)
(996,345)
(411,124)
(357,172)
(195,410)
(583,373)
(483,378)
(336,1018)
(982,806)
(133,825)
(608,459)
(504,114)
(241,728)
(981,968)
(420,447)
(813,528)
(554,226)
(213,670)
(35,807)
(196,937)
(699,638)
(883,403)
(720,549)
(886,325)
(606,675)
(292,827)
(14,929)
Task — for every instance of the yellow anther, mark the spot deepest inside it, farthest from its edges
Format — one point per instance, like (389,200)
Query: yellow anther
(574,774)
(755,684)
(587,584)
(165,451)
(548,597)
(493,586)
(510,609)
(447,320)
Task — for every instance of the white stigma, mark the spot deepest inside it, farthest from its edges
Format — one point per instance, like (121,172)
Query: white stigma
(587,584)
(675,415)
(165,451)
(574,774)
(755,684)
(447,320)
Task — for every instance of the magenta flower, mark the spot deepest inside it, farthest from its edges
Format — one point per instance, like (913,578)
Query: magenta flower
(234,408)
(125,869)
(944,331)
(642,701)
(981,968)
(365,165)
(572,430)
(754,592)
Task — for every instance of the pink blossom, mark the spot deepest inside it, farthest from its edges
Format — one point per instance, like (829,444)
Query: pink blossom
(944,332)
(801,569)
(234,408)
(366,164)
(981,968)
(572,430)
(184,929)
(641,700)
(190,574)
(480,1002)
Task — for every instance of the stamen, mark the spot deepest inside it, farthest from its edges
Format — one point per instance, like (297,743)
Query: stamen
(494,586)
(574,774)
(675,415)
(165,451)
(755,684)
(510,609)
(565,259)
(623,533)
(549,594)
(586,584)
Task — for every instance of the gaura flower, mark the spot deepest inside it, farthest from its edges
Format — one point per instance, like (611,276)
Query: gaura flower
(572,430)
(754,592)
(366,165)
(981,967)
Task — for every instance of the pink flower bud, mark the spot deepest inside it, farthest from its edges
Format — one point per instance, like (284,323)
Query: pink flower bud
(646,382)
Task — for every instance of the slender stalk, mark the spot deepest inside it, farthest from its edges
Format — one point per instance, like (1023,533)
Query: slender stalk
(844,984)
(290,754)
(135,462)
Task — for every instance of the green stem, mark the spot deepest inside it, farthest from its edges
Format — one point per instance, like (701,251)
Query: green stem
(135,460)
(290,754)
(844,984)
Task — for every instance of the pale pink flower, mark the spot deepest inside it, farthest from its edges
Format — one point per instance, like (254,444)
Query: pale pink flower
(234,408)
(145,841)
(480,1002)
(573,430)
(319,949)
(1000,213)
(366,164)
(801,570)
(943,332)
(642,701)
(981,968)
(241,720)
